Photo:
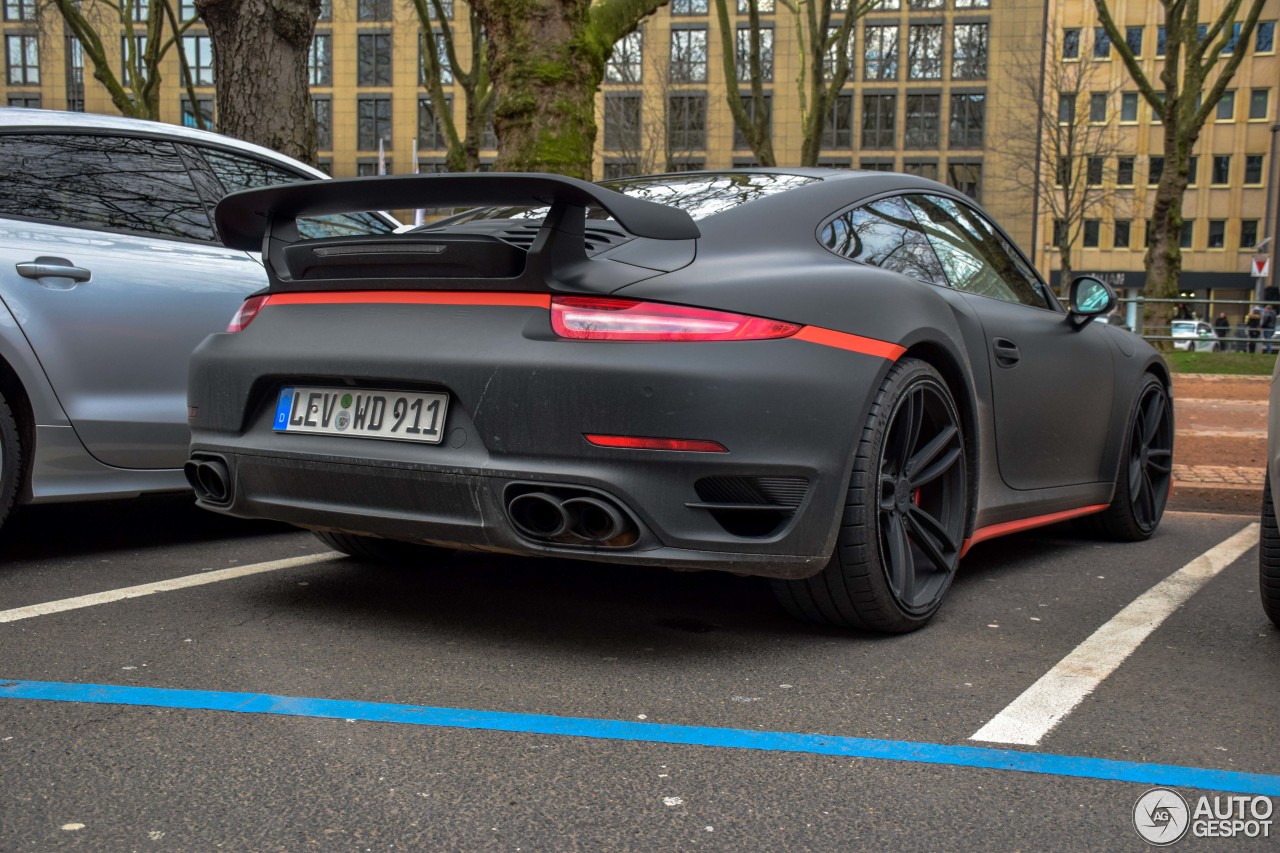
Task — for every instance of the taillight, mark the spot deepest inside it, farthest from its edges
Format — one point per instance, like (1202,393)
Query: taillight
(634,442)
(591,318)
(246,312)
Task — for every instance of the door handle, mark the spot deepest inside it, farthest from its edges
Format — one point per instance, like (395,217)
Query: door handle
(52,267)
(1006,352)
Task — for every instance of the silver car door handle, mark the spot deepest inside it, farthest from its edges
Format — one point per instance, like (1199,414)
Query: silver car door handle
(45,267)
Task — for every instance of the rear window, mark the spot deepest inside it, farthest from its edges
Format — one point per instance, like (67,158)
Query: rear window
(698,194)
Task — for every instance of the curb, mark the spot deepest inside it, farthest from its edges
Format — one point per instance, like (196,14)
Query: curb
(1219,497)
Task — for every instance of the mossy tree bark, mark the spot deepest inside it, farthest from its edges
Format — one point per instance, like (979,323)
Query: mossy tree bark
(547,58)
(260,52)
(1183,104)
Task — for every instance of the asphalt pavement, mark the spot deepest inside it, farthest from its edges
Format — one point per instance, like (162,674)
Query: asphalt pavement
(493,703)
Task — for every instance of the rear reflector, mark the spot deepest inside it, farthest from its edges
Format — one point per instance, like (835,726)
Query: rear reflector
(246,312)
(590,318)
(637,443)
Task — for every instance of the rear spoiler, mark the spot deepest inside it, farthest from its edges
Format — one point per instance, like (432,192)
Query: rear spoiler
(266,220)
(246,218)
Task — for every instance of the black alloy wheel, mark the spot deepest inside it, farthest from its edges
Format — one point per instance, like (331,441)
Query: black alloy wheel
(1269,557)
(1146,469)
(905,515)
(11,459)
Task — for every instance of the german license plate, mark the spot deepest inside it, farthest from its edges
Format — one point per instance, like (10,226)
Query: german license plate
(362,413)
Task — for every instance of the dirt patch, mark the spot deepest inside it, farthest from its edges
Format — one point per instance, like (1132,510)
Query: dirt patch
(1221,420)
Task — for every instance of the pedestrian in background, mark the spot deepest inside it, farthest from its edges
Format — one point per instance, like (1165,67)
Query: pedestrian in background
(1268,327)
(1253,327)
(1222,327)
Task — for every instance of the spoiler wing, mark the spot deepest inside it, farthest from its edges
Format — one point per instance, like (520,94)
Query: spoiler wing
(250,218)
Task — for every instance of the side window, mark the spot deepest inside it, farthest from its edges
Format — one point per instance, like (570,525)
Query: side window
(974,255)
(884,233)
(114,183)
(238,172)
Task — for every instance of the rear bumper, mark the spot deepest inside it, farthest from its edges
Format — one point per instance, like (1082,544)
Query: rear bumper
(520,402)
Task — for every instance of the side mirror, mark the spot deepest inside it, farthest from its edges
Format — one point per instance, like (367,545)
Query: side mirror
(1090,297)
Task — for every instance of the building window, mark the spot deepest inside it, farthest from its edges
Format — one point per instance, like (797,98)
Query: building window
(1258,101)
(837,131)
(1187,234)
(373,121)
(969,52)
(879,114)
(880,54)
(367,167)
(966,177)
(1071,43)
(1066,107)
(19,10)
(489,135)
(687,122)
(1264,39)
(1193,170)
(1226,109)
(28,101)
(764,7)
(1160,49)
(1217,234)
(615,169)
(431,132)
(322,108)
(688,56)
(1101,43)
(743,56)
(1062,177)
(831,59)
(373,59)
(1098,108)
(876,165)
(1120,239)
(199,51)
(1248,233)
(326,13)
(204,103)
(621,121)
(75,75)
(1093,171)
(320,60)
(1124,172)
(748,103)
(1252,169)
(921,168)
(626,63)
(442,58)
(1155,170)
(1128,107)
(1133,38)
(1092,231)
(1059,232)
(688,7)
(922,121)
(925,4)
(24,60)
(973,4)
(687,164)
(968,119)
(1221,169)
(373,10)
(924,52)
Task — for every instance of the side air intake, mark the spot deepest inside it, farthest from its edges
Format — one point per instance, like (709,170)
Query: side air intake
(750,507)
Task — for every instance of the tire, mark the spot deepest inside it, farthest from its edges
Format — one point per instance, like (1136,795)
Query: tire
(1269,557)
(1146,468)
(11,459)
(904,516)
(388,551)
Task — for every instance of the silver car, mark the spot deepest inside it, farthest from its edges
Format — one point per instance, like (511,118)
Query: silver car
(110,275)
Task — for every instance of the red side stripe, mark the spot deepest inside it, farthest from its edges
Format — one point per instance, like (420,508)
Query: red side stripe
(414,297)
(853,343)
(982,534)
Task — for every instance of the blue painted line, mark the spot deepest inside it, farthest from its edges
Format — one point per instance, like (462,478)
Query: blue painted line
(813,744)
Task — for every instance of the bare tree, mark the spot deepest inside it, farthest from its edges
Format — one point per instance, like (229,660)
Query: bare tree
(147,29)
(1183,101)
(752,65)
(1065,154)
(477,87)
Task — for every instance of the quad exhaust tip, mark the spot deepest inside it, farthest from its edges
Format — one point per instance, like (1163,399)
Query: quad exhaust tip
(572,517)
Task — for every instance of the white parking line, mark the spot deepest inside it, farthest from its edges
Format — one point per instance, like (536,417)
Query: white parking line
(160,586)
(1047,702)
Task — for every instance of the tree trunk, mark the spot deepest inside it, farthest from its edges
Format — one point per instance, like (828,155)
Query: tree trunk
(546,70)
(260,52)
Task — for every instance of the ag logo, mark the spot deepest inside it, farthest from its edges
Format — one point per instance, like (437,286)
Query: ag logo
(1161,817)
(342,421)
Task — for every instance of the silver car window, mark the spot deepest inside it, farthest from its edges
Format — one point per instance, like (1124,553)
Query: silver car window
(114,183)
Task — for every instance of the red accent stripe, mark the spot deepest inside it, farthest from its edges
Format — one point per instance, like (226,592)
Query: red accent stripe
(639,443)
(853,343)
(984,533)
(414,297)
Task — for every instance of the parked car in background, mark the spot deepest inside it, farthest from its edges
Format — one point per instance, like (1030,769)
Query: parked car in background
(841,381)
(110,274)
(1269,546)
(1194,335)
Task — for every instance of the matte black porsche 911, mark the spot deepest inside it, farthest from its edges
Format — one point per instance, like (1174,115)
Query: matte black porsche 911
(837,380)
